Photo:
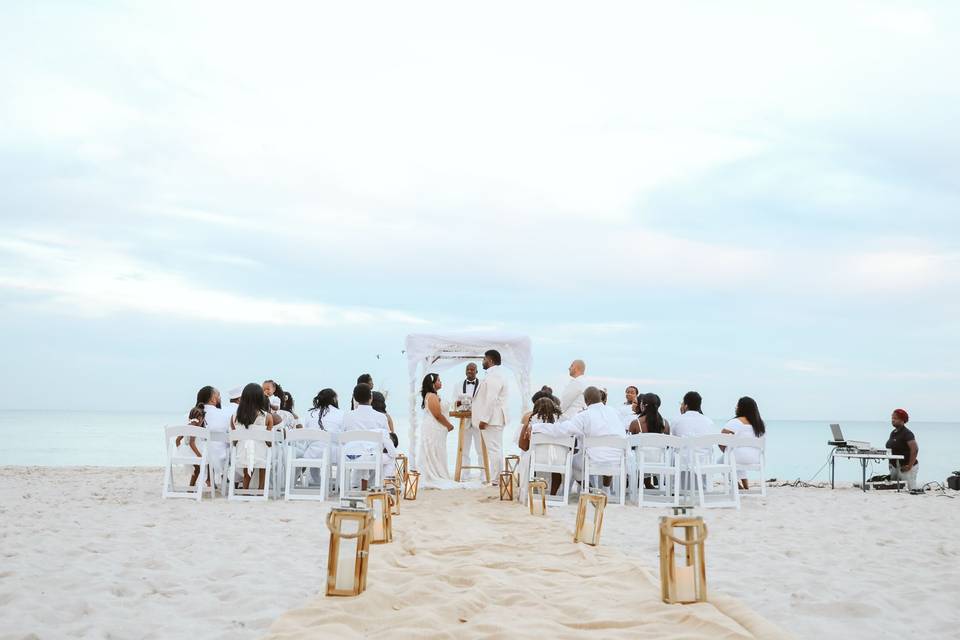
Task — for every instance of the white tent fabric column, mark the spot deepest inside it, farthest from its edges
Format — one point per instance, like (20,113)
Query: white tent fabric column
(432,352)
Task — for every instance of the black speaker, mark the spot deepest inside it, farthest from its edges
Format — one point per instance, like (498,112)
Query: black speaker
(954,482)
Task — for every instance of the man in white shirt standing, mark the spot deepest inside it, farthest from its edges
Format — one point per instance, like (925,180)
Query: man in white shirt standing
(490,411)
(571,400)
(471,434)
(365,418)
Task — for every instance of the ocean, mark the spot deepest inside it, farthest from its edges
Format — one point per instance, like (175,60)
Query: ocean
(795,449)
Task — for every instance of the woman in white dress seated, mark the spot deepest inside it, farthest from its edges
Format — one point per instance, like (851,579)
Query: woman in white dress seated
(748,424)
(433,439)
(252,413)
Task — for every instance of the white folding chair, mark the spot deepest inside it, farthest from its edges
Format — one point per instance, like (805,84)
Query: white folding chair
(313,439)
(618,468)
(655,455)
(365,462)
(177,458)
(219,478)
(253,434)
(760,467)
(700,453)
(541,448)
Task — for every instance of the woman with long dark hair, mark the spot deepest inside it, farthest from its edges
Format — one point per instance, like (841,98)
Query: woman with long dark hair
(747,424)
(432,460)
(649,419)
(253,412)
(545,411)
(196,418)
(325,415)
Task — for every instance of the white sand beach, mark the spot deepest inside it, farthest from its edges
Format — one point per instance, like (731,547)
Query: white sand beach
(95,552)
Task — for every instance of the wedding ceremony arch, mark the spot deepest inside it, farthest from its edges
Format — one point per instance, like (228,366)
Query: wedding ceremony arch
(436,352)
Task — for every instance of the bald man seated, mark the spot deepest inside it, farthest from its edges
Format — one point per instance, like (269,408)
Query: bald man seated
(571,400)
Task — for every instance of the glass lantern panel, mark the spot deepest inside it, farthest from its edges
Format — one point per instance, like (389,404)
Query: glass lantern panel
(347,555)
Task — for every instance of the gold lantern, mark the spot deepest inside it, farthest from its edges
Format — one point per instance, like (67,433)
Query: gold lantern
(537,496)
(392,487)
(687,582)
(411,486)
(590,517)
(512,464)
(378,500)
(402,468)
(349,549)
(506,485)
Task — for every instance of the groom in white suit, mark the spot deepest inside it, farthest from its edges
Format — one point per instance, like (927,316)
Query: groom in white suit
(490,411)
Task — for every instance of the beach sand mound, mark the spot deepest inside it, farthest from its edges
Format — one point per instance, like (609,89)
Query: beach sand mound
(463,564)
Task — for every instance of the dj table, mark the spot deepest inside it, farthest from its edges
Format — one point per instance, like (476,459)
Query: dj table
(863,457)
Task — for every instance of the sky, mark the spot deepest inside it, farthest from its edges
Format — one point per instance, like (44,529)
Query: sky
(743,198)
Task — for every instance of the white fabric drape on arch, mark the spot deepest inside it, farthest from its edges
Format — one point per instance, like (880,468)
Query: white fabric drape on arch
(436,352)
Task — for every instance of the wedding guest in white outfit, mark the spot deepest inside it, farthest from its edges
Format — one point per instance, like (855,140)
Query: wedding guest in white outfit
(325,416)
(596,420)
(543,419)
(290,419)
(571,400)
(490,411)
(363,378)
(746,424)
(471,433)
(252,413)
(364,418)
(628,409)
(195,418)
(379,403)
(692,422)
(432,457)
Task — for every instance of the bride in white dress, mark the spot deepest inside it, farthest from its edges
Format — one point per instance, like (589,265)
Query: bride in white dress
(432,458)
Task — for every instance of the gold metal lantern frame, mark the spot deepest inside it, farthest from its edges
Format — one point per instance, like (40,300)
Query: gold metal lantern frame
(537,497)
(590,517)
(348,551)
(683,583)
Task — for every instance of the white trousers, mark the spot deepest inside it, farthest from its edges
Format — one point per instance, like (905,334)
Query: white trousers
(471,440)
(493,438)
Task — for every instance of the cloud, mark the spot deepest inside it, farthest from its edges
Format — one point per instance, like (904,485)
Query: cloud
(99,280)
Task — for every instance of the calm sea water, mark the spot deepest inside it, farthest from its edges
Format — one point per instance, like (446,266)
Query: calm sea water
(796,449)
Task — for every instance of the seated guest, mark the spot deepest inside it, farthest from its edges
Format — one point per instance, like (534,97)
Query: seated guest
(324,416)
(596,420)
(746,424)
(364,418)
(274,403)
(286,406)
(545,412)
(379,404)
(903,443)
(692,422)
(195,418)
(270,388)
(628,409)
(649,419)
(363,378)
(253,412)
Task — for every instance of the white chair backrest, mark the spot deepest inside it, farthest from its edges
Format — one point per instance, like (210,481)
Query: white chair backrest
(747,441)
(542,438)
(186,431)
(709,441)
(375,437)
(258,435)
(307,435)
(654,440)
(614,442)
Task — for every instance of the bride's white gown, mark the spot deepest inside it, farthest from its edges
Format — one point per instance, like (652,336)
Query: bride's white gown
(432,458)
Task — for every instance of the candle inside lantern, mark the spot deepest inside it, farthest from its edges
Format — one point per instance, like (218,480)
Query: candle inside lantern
(378,533)
(589,532)
(347,555)
(686,585)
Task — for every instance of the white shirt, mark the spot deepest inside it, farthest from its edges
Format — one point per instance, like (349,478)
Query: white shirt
(597,420)
(332,419)
(469,387)
(490,403)
(692,424)
(364,418)
(217,419)
(571,400)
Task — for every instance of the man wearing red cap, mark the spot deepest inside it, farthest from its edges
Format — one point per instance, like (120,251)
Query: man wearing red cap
(903,443)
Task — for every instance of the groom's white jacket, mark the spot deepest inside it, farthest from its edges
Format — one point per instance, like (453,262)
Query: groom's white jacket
(490,403)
